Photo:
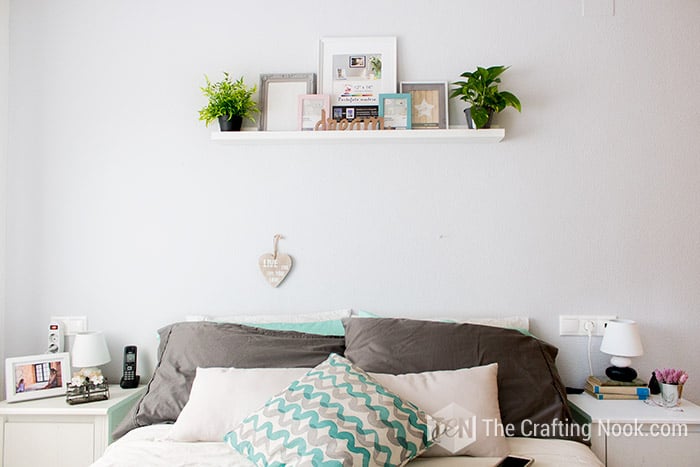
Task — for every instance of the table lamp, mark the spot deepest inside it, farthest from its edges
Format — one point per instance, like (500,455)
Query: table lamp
(90,351)
(621,340)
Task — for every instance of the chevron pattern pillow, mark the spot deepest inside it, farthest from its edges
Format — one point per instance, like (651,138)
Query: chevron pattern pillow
(335,415)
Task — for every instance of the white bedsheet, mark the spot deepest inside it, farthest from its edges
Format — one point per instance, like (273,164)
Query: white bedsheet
(145,447)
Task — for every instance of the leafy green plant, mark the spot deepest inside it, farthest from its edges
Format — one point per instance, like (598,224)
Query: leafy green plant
(228,98)
(376,64)
(481,90)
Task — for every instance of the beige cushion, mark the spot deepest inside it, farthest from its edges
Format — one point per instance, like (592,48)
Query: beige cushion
(466,399)
(222,397)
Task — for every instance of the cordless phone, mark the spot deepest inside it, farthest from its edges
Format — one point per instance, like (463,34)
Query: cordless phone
(129,378)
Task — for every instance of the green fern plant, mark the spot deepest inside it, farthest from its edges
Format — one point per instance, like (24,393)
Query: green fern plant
(480,89)
(228,98)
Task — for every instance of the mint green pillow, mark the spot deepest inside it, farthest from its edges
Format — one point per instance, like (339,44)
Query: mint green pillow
(335,415)
(333,327)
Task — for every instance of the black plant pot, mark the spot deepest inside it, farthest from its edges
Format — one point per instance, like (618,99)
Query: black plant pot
(470,122)
(227,123)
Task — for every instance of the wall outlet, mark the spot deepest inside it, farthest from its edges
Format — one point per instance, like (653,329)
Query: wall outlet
(71,324)
(579,325)
(56,340)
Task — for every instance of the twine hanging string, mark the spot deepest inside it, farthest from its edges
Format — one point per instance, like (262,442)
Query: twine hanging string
(275,240)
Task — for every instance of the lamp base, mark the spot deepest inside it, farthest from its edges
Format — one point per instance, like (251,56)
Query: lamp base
(623,374)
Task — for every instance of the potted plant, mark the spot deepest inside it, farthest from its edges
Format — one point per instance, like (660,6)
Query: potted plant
(671,383)
(481,91)
(229,101)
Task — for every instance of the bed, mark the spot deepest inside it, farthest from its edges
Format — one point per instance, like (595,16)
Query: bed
(349,391)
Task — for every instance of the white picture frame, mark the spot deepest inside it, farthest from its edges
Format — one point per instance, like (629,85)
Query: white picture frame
(279,99)
(348,73)
(37,376)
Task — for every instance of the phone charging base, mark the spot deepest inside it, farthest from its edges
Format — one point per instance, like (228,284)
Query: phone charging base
(130,384)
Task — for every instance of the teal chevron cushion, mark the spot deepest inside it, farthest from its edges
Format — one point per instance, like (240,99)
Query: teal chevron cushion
(335,415)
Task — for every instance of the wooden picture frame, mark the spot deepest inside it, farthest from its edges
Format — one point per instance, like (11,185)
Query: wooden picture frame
(429,103)
(279,99)
(37,376)
(310,106)
(396,111)
(354,71)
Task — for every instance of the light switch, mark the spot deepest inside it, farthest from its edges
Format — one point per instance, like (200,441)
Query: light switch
(71,324)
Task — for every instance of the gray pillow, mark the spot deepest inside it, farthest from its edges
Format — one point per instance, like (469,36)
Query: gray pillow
(186,346)
(530,390)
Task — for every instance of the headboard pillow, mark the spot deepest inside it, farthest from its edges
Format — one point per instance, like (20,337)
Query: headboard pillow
(185,346)
(530,390)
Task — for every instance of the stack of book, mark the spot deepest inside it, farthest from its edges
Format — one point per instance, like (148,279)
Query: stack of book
(601,387)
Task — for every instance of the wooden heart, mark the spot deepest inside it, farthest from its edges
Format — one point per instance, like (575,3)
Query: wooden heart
(275,269)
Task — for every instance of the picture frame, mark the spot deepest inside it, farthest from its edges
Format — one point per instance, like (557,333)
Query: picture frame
(279,99)
(429,103)
(37,376)
(396,111)
(310,107)
(354,71)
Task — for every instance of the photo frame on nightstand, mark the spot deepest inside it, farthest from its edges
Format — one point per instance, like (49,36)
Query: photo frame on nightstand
(37,376)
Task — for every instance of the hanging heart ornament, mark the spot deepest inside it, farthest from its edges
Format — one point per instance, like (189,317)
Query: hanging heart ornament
(275,266)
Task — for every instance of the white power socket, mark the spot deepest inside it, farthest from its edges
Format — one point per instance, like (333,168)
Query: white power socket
(56,341)
(579,325)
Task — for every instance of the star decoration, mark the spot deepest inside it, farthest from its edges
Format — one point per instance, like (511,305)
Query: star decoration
(424,109)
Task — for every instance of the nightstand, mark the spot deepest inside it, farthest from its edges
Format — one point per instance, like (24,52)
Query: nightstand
(50,432)
(634,432)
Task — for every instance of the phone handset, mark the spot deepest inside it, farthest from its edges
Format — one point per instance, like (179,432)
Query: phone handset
(129,377)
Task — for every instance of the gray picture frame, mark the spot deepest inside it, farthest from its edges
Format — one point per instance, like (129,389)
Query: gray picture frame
(279,99)
(438,107)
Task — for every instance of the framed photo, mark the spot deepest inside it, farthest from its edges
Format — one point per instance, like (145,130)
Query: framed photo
(396,110)
(357,61)
(279,99)
(310,107)
(37,376)
(429,108)
(354,71)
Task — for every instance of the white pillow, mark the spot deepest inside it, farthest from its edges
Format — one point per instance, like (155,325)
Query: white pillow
(465,399)
(276,318)
(221,397)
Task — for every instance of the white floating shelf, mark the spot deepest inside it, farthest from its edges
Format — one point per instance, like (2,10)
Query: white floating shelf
(453,135)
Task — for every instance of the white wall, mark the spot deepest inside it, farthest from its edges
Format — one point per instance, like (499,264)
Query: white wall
(4,88)
(121,208)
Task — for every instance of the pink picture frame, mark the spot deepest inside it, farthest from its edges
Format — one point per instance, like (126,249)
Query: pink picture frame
(310,107)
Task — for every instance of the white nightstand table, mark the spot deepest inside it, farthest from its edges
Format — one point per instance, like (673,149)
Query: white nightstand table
(633,432)
(51,432)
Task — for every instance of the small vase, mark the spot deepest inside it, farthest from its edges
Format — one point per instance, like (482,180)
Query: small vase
(470,122)
(670,394)
(232,123)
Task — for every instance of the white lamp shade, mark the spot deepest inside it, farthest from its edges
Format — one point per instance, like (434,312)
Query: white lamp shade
(89,350)
(621,338)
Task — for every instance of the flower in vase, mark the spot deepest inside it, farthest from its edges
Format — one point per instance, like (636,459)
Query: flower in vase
(671,376)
